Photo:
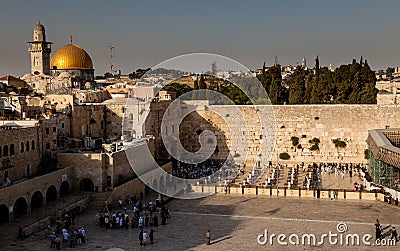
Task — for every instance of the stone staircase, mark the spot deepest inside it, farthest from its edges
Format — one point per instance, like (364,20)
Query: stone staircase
(97,201)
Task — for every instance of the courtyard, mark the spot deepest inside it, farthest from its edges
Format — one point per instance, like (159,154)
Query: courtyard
(235,222)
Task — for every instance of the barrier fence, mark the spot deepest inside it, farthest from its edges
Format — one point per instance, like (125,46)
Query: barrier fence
(337,194)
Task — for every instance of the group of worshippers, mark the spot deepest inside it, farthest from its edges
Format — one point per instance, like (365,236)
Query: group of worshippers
(196,171)
(144,216)
(68,235)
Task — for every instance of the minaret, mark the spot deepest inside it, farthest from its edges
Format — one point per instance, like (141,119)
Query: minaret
(304,63)
(40,51)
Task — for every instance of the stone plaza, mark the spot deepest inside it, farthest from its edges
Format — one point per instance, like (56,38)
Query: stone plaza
(237,221)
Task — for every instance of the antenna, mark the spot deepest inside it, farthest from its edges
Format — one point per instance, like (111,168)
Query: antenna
(111,58)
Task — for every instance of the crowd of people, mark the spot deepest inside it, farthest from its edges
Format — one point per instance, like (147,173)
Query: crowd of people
(196,171)
(65,234)
(135,214)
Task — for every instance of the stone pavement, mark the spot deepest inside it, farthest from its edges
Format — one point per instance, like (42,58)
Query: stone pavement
(235,221)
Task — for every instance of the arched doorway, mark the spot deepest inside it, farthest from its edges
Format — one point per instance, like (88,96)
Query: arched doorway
(64,188)
(51,194)
(86,185)
(20,207)
(37,200)
(4,214)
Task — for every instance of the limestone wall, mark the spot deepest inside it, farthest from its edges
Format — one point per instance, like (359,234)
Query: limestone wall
(350,123)
(25,189)
(326,122)
(86,165)
(19,161)
(133,187)
(88,121)
(122,169)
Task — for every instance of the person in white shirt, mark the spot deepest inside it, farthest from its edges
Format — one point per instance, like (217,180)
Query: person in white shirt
(65,237)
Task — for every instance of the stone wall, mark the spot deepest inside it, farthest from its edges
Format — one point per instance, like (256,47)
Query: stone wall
(88,121)
(134,187)
(350,123)
(86,165)
(121,170)
(20,161)
(124,191)
(54,131)
(115,109)
(26,189)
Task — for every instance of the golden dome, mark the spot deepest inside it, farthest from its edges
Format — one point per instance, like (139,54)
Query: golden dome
(71,57)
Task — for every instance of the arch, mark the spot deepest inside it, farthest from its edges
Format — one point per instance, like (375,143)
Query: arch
(20,207)
(4,214)
(64,188)
(86,185)
(28,170)
(12,150)
(5,150)
(155,184)
(37,200)
(161,183)
(51,194)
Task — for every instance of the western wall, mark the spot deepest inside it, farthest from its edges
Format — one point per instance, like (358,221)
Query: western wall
(349,123)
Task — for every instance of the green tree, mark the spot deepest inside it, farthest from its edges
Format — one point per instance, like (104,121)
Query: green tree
(389,73)
(317,90)
(297,86)
(196,85)
(202,82)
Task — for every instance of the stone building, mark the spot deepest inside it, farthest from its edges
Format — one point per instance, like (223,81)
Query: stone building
(70,67)
(40,50)
(20,151)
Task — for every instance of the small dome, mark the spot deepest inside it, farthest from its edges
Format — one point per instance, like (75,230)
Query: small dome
(39,27)
(64,75)
(71,57)
(27,76)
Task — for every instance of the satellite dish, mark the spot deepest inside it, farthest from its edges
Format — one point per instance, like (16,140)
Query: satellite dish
(36,73)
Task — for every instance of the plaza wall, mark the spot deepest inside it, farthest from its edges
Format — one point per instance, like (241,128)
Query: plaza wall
(285,192)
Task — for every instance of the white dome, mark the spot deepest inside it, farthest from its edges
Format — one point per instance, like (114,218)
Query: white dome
(27,76)
(64,75)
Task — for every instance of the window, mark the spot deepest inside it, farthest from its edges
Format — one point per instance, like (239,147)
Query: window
(62,125)
(27,146)
(54,129)
(28,170)
(22,147)
(5,151)
(47,146)
(12,151)
(33,145)
(47,130)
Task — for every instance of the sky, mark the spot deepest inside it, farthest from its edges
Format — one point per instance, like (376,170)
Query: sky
(146,33)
